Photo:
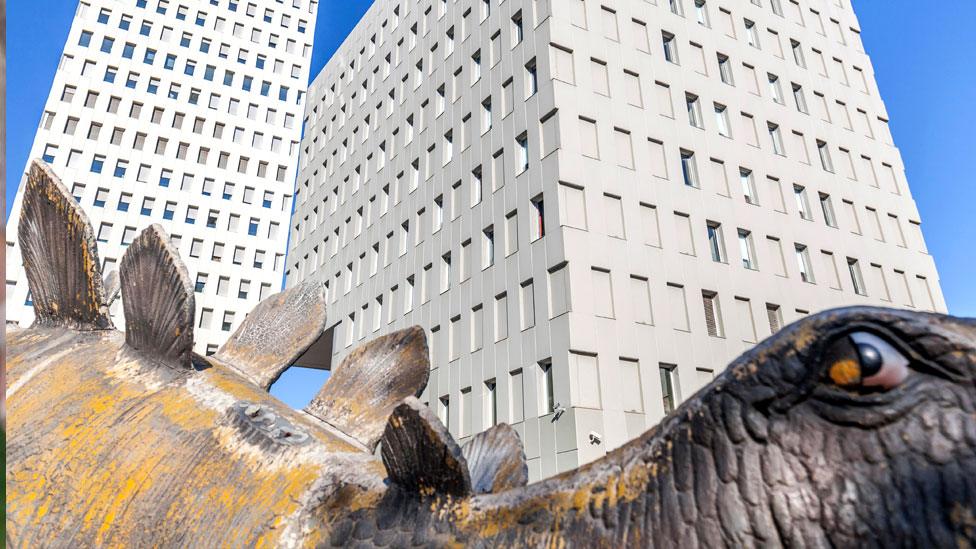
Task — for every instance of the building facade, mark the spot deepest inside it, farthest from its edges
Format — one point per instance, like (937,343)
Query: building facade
(594,205)
(186,114)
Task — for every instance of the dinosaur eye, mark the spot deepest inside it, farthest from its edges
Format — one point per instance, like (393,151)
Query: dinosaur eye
(864,360)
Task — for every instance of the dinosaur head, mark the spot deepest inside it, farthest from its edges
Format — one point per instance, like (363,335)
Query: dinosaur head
(852,425)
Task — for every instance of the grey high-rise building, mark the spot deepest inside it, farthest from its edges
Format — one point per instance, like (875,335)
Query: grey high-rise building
(594,205)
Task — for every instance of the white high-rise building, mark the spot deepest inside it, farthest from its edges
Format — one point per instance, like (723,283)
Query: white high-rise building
(187,114)
(594,205)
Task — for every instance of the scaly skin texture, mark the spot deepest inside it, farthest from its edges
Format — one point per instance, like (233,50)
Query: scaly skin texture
(770,454)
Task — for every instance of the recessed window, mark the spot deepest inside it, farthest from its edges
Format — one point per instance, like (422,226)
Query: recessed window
(713,315)
(748,185)
(670,47)
(669,382)
(531,79)
(828,210)
(97,163)
(694,110)
(825,160)
(722,120)
(716,243)
(701,13)
(538,218)
(522,144)
(746,249)
(803,262)
(689,169)
(854,269)
(725,69)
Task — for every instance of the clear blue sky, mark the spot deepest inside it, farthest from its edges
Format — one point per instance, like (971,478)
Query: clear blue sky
(921,56)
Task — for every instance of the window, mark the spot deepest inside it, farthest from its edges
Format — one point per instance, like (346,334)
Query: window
(701,13)
(85,39)
(855,271)
(49,152)
(776,137)
(825,161)
(527,304)
(538,218)
(775,316)
(725,69)
(531,79)
(803,262)
(522,143)
(752,34)
(668,382)
(670,47)
(694,110)
(228,321)
(799,99)
(746,249)
(488,247)
(517,32)
(120,168)
(716,243)
(445,274)
(486,115)
(828,210)
(491,403)
(100,197)
(798,53)
(748,186)
(97,163)
(722,120)
(775,90)
(713,315)
(546,395)
(689,169)
(802,205)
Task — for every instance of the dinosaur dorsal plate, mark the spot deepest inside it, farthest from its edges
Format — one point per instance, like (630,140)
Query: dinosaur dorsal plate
(276,333)
(60,256)
(420,455)
(157,298)
(372,380)
(496,460)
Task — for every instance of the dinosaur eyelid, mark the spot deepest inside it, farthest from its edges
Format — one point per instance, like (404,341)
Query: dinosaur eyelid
(862,359)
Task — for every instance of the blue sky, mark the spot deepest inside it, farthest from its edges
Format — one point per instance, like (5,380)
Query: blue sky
(920,56)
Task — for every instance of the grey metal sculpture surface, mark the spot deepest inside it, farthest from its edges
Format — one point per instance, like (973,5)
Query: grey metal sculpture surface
(852,427)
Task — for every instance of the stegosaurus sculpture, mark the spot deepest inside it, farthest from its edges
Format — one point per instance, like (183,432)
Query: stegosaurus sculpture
(852,427)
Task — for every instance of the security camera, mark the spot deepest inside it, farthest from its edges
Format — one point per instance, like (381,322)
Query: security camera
(557,411)
(595,438)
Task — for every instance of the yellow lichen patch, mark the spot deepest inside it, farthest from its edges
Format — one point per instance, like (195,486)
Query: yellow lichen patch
(845,372)
(104,453)
(487,520)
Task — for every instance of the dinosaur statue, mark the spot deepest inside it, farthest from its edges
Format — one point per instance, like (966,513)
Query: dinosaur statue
(853,427)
